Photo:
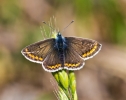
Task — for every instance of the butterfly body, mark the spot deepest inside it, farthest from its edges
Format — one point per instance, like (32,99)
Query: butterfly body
(60,46)
(62,52)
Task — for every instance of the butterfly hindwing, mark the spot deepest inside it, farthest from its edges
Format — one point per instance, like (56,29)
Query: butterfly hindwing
(52,62)
(37,52)
(73,61)
(86,48)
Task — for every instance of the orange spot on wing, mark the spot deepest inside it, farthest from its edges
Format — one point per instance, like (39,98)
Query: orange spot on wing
(72,65)
(77,64)
(40,59)
(91,51)
(66,64)
(32,56)
(29,54)
(26,50)
(54,66)
(36,57)
(88,53)
(84,55)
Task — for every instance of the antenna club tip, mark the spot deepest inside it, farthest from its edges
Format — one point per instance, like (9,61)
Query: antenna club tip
(72,21)
(43,22)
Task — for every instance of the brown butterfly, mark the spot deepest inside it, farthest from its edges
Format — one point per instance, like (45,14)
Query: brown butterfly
(62,52)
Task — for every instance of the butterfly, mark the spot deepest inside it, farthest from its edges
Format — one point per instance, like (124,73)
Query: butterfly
(62,52)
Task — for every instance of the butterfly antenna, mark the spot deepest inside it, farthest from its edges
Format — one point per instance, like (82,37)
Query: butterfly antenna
(68,25)
(48,25)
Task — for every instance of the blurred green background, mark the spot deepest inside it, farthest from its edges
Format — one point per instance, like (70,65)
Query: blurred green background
(102,78)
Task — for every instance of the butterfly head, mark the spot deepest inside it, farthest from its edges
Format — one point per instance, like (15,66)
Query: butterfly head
(56,35)
(59,36)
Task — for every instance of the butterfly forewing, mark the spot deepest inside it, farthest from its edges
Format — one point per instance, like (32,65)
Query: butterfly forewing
(86,48)
(37,52)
